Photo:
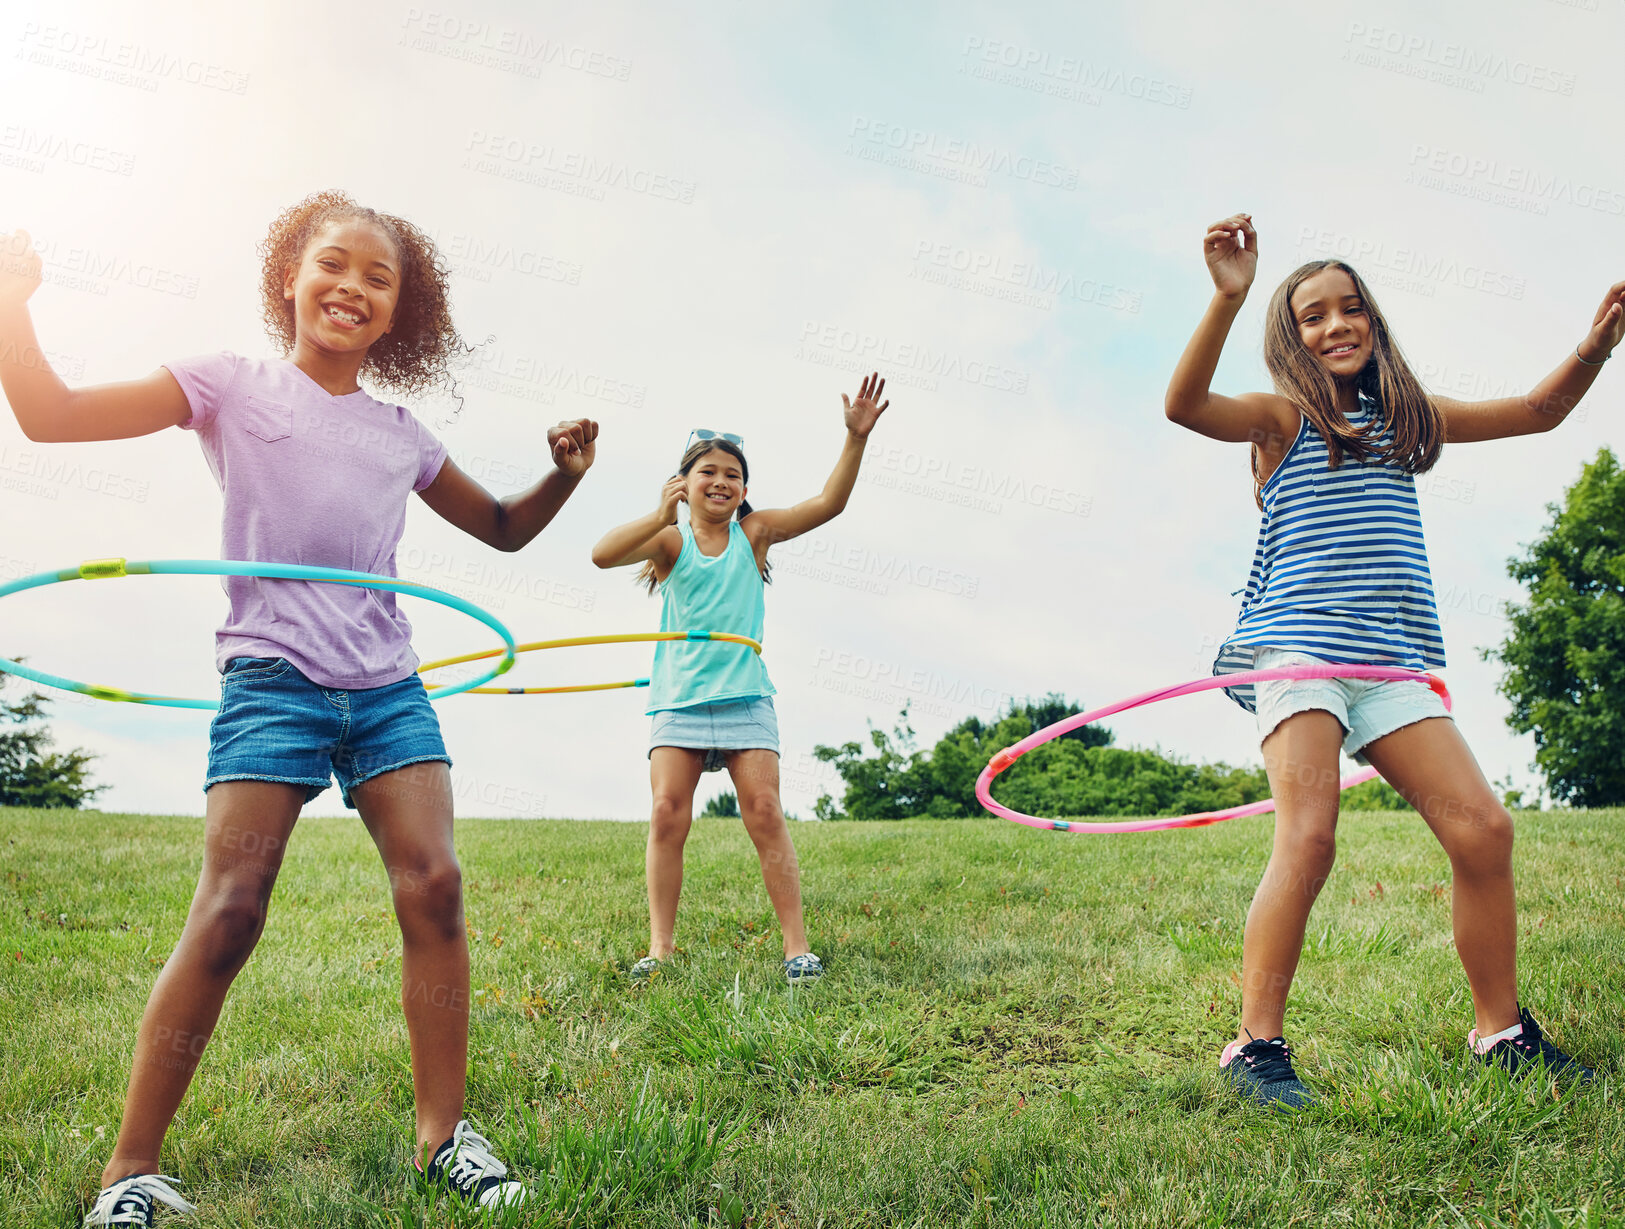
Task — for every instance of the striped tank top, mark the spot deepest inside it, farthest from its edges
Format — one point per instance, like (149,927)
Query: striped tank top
(1340,570)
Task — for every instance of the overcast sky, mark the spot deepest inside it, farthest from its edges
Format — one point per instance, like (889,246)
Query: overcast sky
(718,216)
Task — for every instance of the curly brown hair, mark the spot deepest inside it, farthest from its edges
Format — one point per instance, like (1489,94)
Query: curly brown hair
(414,356)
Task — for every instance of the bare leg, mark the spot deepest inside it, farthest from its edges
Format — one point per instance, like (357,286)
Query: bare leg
(245,835)
(409,814)
(1300,757)
(1429,763)
(674,772)
(756,780)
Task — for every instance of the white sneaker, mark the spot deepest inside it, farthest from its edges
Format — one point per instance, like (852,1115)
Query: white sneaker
(464,1163)
(129,1201)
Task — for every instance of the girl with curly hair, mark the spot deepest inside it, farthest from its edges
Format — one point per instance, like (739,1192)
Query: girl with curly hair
(1340,575)
(316,679)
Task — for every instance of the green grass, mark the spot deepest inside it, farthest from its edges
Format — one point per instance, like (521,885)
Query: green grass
(1018,1028)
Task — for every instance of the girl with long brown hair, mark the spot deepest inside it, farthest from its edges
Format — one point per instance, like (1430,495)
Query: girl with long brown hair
(712,703)
(1340,575)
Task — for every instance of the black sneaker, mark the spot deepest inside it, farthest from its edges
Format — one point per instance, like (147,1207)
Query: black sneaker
(1261,1071)
(129,1201)
(1530,1050)
(465,1164)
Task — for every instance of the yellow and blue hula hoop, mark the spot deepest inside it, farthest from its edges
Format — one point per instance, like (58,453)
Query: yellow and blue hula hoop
(477,688)
(108,569)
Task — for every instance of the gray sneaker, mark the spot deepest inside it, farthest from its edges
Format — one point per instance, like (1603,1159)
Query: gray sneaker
(803,968)
(646,968)
(1261,1071)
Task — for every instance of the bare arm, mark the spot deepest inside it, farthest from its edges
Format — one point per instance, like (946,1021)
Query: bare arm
(1549,402)
(1231,248)
(511,522)
(47,410)
(771,525)
(654,537)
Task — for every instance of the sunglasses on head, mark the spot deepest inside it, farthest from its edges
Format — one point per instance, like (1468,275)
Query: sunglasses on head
(701,434)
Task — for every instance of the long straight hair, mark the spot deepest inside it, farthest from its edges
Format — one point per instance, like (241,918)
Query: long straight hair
(1402,402)
(646,574)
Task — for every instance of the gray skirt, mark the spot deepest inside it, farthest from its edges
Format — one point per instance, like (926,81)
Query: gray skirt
(716,729)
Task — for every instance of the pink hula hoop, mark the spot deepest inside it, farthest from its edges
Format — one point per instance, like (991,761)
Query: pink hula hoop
(1007,757)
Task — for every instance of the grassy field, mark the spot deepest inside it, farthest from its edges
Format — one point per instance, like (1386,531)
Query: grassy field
(1018,1028)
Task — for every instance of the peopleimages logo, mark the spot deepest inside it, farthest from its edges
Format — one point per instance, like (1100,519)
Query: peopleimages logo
(1066,76)
(873,137)
(547,166)
(1503,183)
(876,351)
(40,146)
(479,257)
(1449,63)
(1412,263)
(123,63)
(504,47)
(44,474)
(1014,281)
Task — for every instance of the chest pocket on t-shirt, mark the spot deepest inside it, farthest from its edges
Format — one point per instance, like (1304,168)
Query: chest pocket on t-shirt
(267,420)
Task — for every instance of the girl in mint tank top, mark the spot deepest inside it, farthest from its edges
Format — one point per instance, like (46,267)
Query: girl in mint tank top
(711,701)
(317,679)
(1340,574)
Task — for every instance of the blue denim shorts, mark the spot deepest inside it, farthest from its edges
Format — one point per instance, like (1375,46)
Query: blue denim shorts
(716,729)
(274,724)
(1367,708)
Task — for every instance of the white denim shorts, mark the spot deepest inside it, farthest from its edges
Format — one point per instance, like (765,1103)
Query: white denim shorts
(1367,708)
(716,729)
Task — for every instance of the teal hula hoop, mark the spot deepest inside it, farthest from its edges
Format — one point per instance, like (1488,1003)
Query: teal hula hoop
(108,569)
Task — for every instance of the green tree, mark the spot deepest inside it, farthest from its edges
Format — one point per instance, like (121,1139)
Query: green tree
(1080,773)
(894,784)
(724,806)
(1373,795)
(1565,648)
(1067,779)
(30,775)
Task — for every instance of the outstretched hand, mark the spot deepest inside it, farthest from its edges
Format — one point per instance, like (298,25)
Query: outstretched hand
(862,414)
(1608,328)
(1231,250)
(574,446)
(19,267)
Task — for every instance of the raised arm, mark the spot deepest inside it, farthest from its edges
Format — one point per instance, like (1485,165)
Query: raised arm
(1231,250)
(1549,402)
(653,537)
(48,410)
(511,522)
(770,525)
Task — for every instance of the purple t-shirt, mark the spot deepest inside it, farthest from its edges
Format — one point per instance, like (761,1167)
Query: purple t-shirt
(314,479)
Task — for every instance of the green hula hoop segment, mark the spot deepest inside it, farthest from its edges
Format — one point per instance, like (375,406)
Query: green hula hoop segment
(110,569)
(572,642)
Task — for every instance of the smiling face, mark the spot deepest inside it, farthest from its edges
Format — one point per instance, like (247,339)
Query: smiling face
(716,485)
(345,287)
(1333,323)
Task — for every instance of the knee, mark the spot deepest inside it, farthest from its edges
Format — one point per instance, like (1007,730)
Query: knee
(231,924)
(759,808)
(669,821)
(1485,846)
(1310,854)
(429,898)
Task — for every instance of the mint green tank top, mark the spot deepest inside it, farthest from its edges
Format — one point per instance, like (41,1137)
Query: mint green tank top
(703,594)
